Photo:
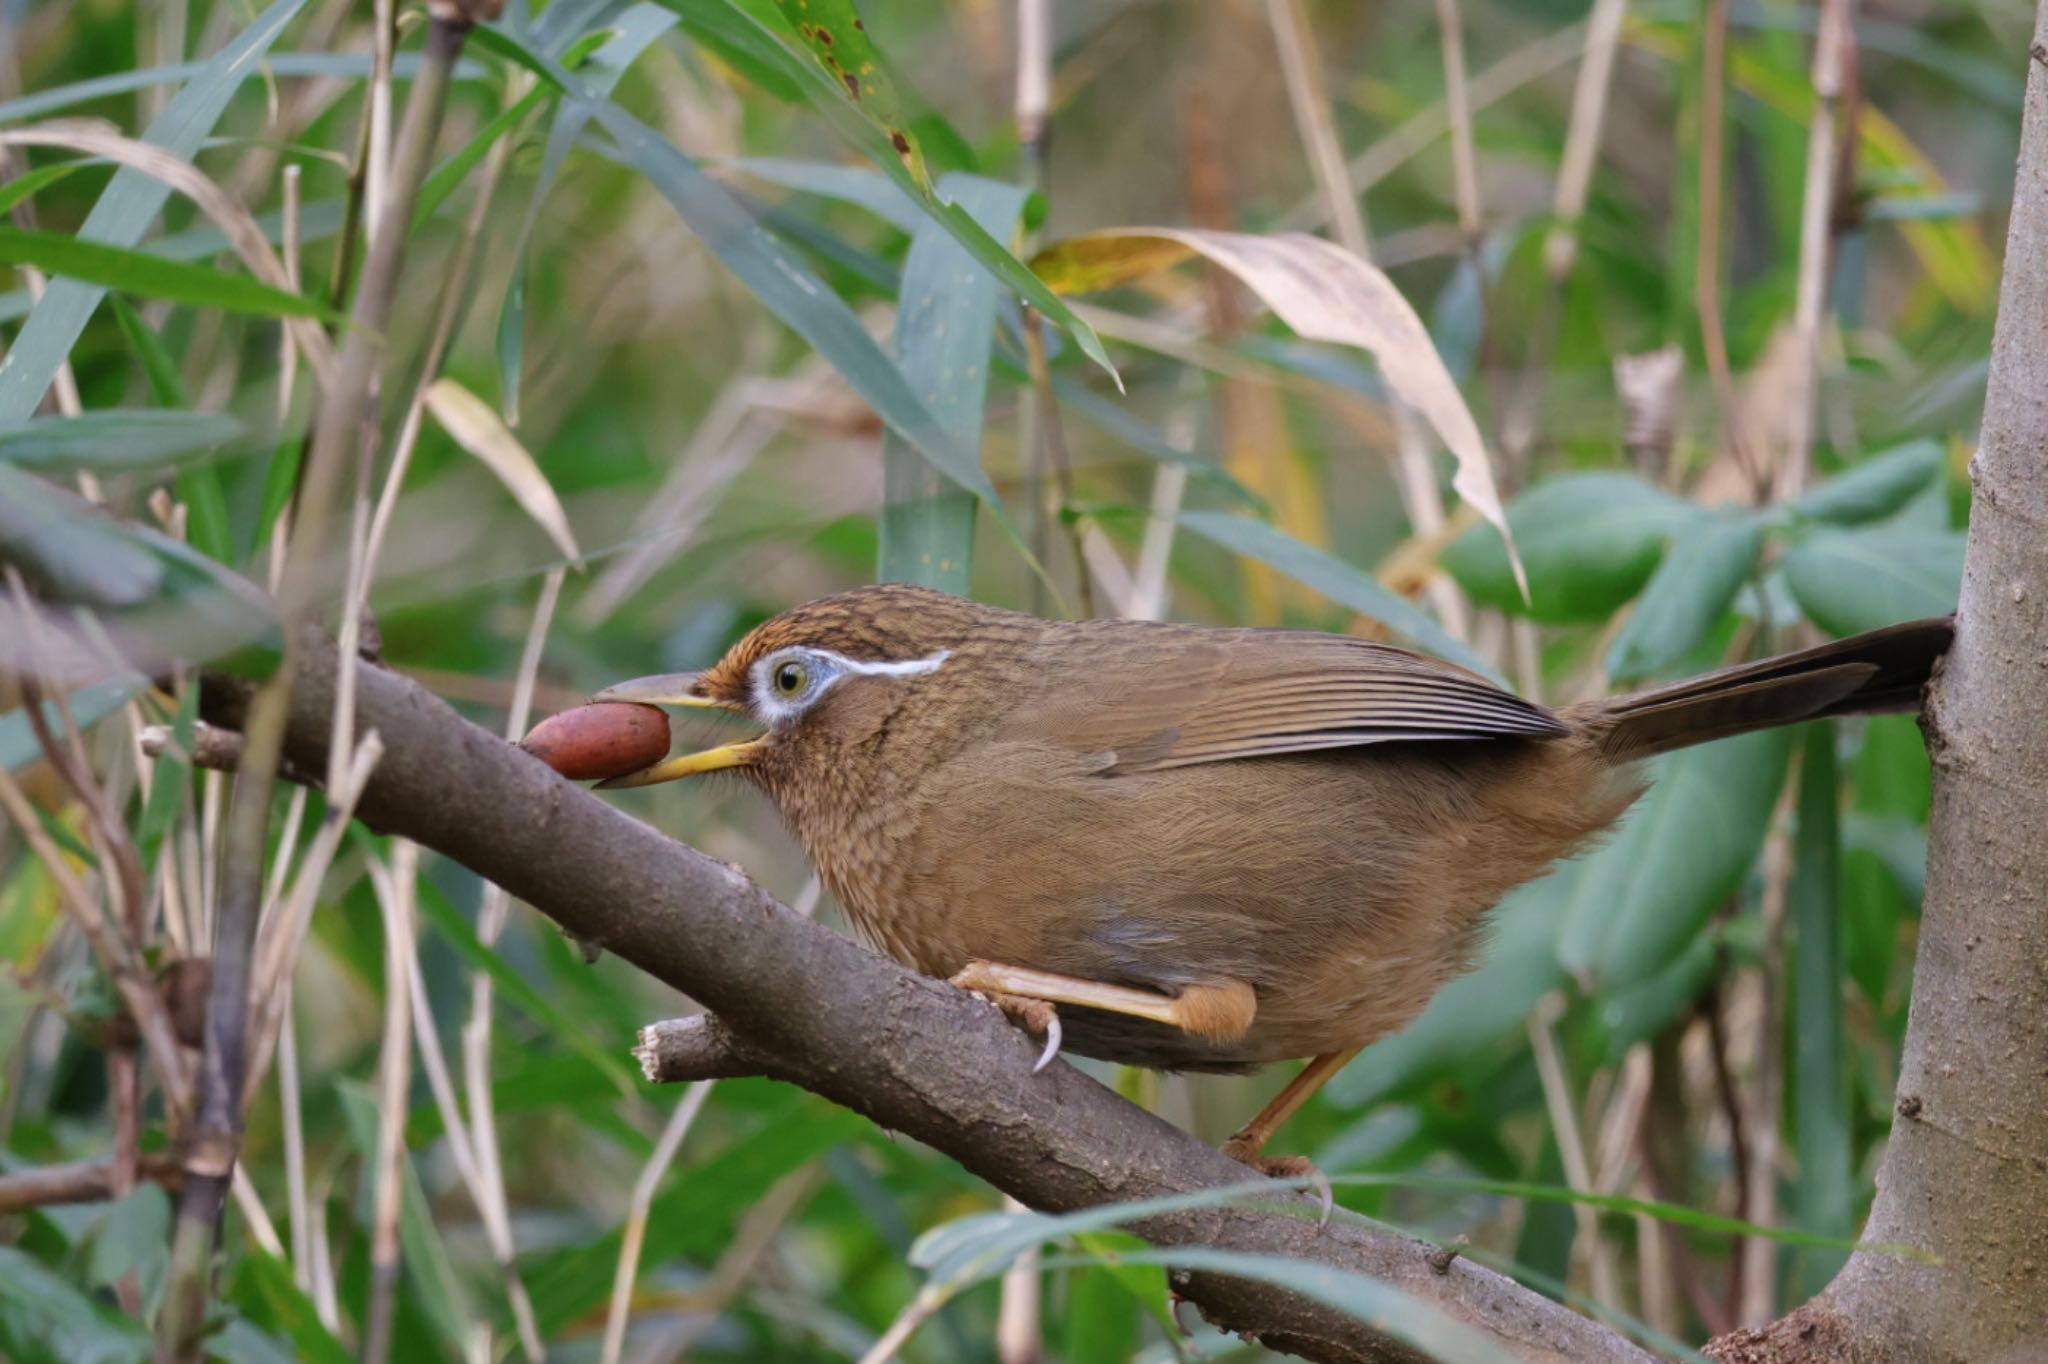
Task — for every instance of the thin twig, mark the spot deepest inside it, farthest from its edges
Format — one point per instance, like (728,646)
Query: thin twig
(1464,160)
(1571,1147)
(651,1176)
(1738,1143)
(1421,498)
(395,887)
(1707,277)
(1568,204)
(1833,60)
(476,1032)
(635,1235)
(138,992)
(85,1181)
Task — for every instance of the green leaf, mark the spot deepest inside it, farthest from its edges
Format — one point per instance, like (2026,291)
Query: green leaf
(1674,859)
(757,29)
(139,272)
(1848,581)
(190,607)
(166,385)
(131,1235)
(788,288)
(1115,420)
(1477,1010)
(1675,1213)
(982,1246)
(1589,541)
(442,180)
(945,325)
(125,210)
(1637,1012)
(435,908)
(1106,1297)
(24,187)
(44,1320)
(90,705)
(355,65)
(854,185)
(1874,488)
(1824,1195)
(832,32)
(424,1258)
(631,34)
(1387,1309)
(1884,860)
(696,1210)
(1697,581)
(1335,579)
(263,1289)
(115,441)
(78,553)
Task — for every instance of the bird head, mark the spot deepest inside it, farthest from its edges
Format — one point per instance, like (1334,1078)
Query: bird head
(819,678)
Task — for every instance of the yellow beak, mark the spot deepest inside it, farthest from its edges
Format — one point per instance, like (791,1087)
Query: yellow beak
(677,689)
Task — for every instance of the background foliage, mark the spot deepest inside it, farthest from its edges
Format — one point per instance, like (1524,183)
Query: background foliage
(717,346)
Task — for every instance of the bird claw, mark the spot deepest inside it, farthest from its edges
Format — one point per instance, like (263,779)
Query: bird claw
(1052,1040)
(1035,1016)
(1289,1167)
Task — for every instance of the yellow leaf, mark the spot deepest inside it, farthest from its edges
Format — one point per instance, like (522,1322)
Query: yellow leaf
(481,431)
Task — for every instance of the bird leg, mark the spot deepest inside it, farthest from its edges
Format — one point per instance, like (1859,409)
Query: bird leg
(1250,1140)
(1217,1011)
(1247,1147)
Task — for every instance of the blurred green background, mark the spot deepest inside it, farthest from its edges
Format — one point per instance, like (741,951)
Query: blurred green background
(668,256)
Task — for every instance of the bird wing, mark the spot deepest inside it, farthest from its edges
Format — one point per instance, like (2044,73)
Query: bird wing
(1156,697)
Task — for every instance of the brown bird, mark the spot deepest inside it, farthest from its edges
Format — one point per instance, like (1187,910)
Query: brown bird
(1207,848)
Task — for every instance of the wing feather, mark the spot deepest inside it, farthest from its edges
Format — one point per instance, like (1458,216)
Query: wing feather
(1164,696)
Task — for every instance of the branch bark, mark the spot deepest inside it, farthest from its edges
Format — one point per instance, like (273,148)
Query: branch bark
(1965,1174)
(805,1005)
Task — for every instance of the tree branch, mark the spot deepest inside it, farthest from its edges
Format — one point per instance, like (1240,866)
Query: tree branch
(915,1055)
(85,1181)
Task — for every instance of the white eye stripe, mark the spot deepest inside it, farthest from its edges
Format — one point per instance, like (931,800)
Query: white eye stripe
(911,667)
(826,667)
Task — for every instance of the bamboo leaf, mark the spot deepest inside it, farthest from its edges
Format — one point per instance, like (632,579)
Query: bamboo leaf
(125,210)
(24,187)
(1324,293)
(1691,589)
(1874,488)
(757,30)
(1674,859)
(1335,579)
(1591,542)
(832,32)
(478,429)
(629,36)
(139,272)
(945,325)
(1824,1195)
(423,1256)
(115,441)
(1848,581)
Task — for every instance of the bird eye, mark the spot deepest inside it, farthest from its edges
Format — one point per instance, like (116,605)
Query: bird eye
(790,679)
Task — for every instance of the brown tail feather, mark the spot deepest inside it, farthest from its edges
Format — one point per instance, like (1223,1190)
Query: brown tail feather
(1883,670)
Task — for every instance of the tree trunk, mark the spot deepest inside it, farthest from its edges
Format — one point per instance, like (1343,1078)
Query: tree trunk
(1965,1175)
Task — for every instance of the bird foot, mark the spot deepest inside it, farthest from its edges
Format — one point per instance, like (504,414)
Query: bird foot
(1285,1167)
(1035,1016)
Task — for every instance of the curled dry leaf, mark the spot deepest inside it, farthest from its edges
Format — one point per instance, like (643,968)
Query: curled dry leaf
(478,429)
(600,740)
(1324,293)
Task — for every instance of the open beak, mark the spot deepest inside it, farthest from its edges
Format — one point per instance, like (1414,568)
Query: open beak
(677,689)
